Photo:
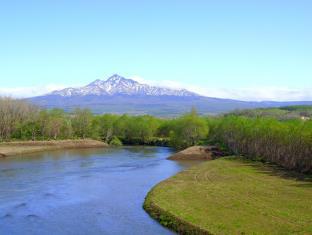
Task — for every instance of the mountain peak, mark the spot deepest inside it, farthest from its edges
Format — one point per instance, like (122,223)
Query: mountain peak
(115,78)
(118,85)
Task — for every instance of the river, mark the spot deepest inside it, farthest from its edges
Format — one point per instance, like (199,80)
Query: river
(90,191)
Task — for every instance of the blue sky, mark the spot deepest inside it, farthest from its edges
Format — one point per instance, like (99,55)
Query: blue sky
(251,50)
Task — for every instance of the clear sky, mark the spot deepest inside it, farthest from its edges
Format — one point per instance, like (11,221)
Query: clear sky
(239,49)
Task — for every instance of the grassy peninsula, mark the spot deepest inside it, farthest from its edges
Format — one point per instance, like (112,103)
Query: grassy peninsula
(233,196)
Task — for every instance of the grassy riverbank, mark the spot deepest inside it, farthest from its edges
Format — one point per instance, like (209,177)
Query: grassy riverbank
(24,147)
(233,196)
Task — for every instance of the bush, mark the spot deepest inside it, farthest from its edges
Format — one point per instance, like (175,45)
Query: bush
(115,141)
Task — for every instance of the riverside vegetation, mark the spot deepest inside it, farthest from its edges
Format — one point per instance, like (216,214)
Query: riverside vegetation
(259,137)
(244,195)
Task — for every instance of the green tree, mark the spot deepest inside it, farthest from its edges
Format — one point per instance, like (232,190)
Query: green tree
(188,130)
(103,125)
(81,122)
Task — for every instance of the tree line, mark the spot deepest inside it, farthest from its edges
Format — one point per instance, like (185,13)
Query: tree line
(285,142)
(20,120)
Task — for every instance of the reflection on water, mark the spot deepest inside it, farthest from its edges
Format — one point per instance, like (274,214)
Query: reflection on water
(89,191)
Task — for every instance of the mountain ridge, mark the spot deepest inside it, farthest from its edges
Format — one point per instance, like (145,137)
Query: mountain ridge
(118,85)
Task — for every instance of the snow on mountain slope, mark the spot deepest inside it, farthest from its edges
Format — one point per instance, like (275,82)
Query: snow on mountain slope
(116,85)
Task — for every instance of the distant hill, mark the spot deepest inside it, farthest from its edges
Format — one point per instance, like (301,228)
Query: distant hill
(120,95)
(303,112)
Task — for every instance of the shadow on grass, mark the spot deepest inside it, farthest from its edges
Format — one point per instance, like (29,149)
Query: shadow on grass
(304,185)
(275,170)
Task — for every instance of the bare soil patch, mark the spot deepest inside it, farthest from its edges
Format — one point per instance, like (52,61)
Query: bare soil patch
(198,153)
(23,147)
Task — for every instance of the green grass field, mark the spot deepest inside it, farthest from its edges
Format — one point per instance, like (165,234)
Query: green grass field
(233,196)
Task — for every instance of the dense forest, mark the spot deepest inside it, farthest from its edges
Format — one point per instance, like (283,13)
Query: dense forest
(256,134)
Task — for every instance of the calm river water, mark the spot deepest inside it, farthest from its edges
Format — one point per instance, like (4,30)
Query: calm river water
(92,191)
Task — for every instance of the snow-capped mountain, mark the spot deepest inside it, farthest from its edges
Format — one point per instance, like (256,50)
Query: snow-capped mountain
(120,95)
(117,85)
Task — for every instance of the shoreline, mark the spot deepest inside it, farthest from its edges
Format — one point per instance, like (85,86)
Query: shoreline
(15,148)
(169,220)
